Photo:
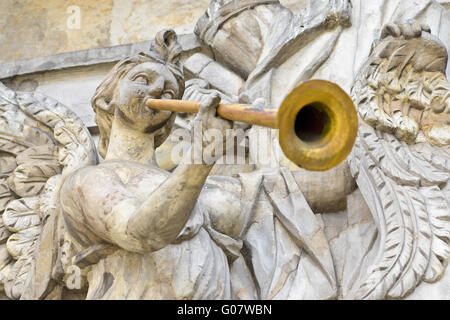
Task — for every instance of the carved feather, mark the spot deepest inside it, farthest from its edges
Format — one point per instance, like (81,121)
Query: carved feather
(13,145)
(22,214)
(439,215)
(29,178)
(36,135)
(77,147)
(413,217)
(18,276)
(398,238)
(420,250)
(5,193)
(7,163)
(403,185)
(19,243)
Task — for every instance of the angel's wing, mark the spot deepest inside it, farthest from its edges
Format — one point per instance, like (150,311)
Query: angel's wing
(403,191)
(406,186)
(41,142)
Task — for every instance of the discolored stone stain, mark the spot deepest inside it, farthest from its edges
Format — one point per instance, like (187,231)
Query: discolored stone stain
(138,20)
(32,28)
(39,28)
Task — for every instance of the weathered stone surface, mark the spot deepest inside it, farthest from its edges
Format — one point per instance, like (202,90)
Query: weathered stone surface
(138,20)
(105,23)
(376,227)
(39,28)
(102,24)
(74,87)
(32,126)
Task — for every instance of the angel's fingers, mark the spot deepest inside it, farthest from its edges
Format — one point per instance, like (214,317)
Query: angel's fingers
(189,94)
(197,96)
(416,29)
(425,28)
(204,105)
(211,104)
(205,91)
(390,29)
(260,102)
(244,98)
(410,30)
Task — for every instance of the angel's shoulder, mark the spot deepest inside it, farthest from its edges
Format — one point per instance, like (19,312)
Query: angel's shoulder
(90,177)
(112,176)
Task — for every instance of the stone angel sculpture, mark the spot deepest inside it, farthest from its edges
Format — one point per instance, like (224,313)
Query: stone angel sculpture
(131,230)
(41,142)
(401,162)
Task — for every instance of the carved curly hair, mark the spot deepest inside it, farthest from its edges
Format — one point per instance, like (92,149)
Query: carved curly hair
(164,49)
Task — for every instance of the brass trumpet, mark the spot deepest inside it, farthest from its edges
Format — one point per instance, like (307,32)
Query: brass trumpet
(317,122)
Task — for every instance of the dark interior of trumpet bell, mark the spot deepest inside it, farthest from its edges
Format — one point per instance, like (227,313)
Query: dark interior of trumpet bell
(310,122)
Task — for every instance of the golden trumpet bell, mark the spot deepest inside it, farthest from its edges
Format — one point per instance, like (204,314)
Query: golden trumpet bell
(317,124)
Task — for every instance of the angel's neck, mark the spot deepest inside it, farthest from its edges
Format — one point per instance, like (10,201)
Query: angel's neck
(128,144)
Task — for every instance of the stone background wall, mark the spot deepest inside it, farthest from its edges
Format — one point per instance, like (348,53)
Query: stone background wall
(41,30)
(68,64)
(36,28)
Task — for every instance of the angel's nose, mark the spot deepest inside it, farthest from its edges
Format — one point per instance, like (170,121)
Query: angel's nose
(155,93)
(156,90)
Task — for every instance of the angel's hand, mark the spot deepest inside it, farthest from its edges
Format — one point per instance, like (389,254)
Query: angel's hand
(213,127)
(245,98)
(199,90)
(410,29)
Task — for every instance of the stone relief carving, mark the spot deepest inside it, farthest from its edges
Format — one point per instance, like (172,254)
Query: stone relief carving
(41,141)
(181,235)
(401,160)
(252,38)
(137,231)
(245,43)
(123,213)
(407,96)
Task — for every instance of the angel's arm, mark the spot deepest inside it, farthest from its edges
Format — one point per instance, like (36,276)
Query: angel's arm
(98,199)
(115,213)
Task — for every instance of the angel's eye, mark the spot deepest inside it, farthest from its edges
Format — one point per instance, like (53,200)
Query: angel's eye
(169,94)
(142,79)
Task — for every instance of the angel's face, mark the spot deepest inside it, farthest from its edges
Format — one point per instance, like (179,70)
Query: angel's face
(144,81)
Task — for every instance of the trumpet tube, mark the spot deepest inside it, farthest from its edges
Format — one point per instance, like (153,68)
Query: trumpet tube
(317,122)
(261,116)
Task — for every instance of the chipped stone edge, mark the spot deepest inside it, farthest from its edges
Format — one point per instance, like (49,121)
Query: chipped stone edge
(83,58)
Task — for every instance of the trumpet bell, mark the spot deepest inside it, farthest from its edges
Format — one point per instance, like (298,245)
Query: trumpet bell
(317,124)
